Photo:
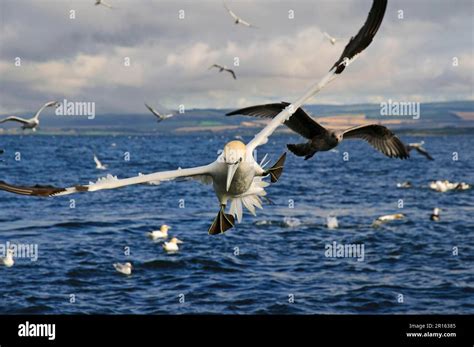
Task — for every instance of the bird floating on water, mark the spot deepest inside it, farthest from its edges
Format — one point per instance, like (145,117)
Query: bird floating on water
(387,218)
(159,234)
(31,123)
(125,269)
(435,215)
(235,174)
(98,164)
(172,245)
(237,19)
(406,184)
(7,261)
(331,222)
(445,186)
(224,68)
(160,117)
(418,147)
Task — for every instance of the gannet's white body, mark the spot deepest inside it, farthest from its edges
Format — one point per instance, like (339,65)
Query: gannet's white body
(33,122)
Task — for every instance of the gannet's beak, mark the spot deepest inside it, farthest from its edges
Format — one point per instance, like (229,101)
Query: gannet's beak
(231,169)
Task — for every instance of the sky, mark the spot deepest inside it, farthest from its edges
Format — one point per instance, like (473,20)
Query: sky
(83,59)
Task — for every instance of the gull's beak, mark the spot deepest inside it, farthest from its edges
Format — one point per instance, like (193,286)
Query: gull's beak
(231,169)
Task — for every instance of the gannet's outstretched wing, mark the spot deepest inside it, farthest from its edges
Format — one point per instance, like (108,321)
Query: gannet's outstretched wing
(14,119)
(356,45)
(111,182)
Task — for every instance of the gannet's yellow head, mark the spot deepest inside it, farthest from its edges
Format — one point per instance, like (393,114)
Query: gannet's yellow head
(175,240)
(164,229)
(234,154)
(399,216)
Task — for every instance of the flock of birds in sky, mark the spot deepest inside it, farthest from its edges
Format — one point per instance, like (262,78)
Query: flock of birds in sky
(235,176)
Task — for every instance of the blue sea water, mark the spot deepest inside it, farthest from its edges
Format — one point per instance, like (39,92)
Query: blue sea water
(276,261)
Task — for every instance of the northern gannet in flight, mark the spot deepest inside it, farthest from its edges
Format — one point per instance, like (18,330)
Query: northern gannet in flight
(33,122)
(330,38)
(159,234)
(102,2)
(8,259)
(172,245)
(235,175)
(125,269)
(418,147)
(237,19)
(224,68)
(160,117)
(98,164)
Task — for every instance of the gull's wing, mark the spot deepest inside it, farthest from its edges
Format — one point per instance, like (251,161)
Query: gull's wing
(300,122)
(155,112)
(215,65)
(96,160)
(231,12)
(353,48)
(365,35)
(232,73)
(380,138)
(110,182)
(14,119)
(247,24)
(420,150)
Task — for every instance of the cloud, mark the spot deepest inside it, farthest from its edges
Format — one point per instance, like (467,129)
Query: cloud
(83,58)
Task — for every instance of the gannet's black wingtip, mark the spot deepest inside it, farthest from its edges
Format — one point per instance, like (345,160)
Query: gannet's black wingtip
(365,35)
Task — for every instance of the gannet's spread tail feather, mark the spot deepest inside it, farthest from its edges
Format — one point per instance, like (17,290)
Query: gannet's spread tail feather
(356,45)
(250,199)
(109,182)
(365,35)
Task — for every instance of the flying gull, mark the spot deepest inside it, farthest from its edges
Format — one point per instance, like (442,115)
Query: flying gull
(98,164)
(235,175)
(418,147)
(31,123)
(237,19)
(224,68)
(330,38)
(160,117)
(103,3)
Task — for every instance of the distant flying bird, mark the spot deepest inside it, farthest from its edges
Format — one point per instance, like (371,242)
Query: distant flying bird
(159,234)
(418,147)
(98,164)
(235,175)
(322,139)
(125,269)
(435,215)
(172,245)
(160,117)
(237,19)
(331,38)
(33,122)
(224,68)
(102,2)
(7,261)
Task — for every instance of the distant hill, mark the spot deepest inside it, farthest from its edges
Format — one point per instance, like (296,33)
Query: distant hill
(450,115)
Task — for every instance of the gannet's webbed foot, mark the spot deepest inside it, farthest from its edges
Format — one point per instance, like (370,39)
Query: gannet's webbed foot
(276,170)
(222,222)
